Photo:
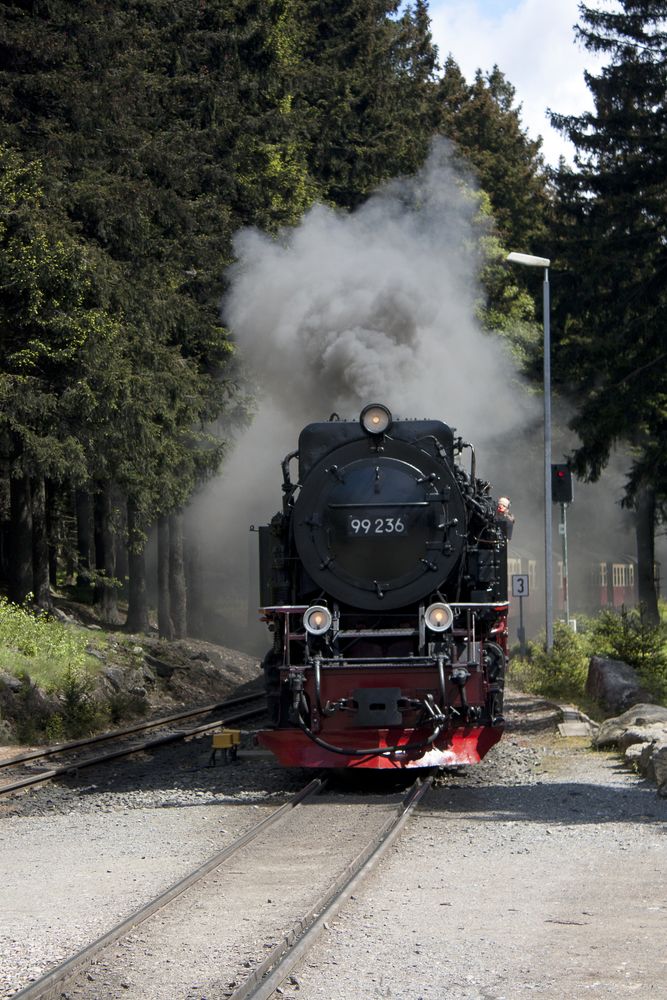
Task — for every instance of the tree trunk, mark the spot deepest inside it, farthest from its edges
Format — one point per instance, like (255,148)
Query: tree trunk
(122,570)
(105,559)
(177,591)
(40,545)
(645,532)
(84,535)
(21,582)
(163,617)
(52,530)
(193,581)
(137,608)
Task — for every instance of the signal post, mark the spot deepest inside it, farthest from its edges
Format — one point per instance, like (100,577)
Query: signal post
(562,493)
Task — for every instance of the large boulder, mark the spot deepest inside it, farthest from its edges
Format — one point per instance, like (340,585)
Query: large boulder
(636,720)
(614,684)
(642,733)
(659,762)
(654,733)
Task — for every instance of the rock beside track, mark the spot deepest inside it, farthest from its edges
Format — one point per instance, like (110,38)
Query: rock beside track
(614,684)
(641,733)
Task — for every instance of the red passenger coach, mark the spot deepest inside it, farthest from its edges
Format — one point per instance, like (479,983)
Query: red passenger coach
(384,585)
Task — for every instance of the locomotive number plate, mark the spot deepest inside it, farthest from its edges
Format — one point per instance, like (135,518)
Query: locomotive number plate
(363,526)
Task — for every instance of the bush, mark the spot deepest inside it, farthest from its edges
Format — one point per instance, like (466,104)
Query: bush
(81,713)
(560,674)
(628,635)
(622,635)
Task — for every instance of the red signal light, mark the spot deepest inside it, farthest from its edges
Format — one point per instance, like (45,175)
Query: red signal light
(561,484)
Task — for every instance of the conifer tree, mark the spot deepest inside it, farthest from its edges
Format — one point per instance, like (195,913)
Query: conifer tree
(612,215)
(48,321)
(485,124)
(363,93)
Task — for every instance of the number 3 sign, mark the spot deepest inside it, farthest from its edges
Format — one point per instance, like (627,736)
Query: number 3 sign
(519,585)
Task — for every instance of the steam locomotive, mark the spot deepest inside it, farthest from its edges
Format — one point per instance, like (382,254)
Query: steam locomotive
(383,581)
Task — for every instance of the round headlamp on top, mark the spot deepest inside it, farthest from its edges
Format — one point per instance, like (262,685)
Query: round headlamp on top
(439,617)
(375,418)
(317,620)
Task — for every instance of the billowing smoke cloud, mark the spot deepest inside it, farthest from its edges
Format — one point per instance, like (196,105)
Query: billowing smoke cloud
(380,305)
(377,304)
(349,308)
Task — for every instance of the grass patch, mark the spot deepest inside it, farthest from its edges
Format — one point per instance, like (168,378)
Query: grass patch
(57,673)
(42,647)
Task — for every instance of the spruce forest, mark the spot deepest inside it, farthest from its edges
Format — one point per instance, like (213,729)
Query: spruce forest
(138,136)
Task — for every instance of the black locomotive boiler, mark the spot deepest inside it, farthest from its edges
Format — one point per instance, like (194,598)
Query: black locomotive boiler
(384,584)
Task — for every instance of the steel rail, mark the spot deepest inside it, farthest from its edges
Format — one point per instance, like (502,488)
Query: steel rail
(138,727)
(127,751)
(297,942)
(49,986)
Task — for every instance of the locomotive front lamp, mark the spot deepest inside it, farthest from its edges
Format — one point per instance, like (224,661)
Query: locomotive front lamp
(317,620)
(375,418)
(439,617)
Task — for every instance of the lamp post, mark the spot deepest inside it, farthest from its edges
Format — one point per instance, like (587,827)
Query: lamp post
(527,260)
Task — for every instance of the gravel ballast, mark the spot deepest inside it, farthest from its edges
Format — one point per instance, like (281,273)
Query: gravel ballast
(540,872)
(78,856)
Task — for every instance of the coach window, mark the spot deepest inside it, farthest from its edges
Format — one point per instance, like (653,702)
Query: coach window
(631,575)
(532,573)
(603,574)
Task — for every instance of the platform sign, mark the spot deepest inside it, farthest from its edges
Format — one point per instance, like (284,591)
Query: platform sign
(520,589)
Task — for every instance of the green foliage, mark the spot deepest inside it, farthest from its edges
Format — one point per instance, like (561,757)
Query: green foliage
(627,635)
(483,122)
(46,319)
(40,647)
(485,127)
(363,93)
(630,635)
(560,674)
(610,234)
(136,138)
(80,713)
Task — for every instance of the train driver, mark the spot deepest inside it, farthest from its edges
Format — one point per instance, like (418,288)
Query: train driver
(504,517)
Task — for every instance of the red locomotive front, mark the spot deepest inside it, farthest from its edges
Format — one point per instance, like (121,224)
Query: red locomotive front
(384,583)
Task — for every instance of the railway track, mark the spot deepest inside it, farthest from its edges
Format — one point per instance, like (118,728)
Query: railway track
(238,931)
(236,710)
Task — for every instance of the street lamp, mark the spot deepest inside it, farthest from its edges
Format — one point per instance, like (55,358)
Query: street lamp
(529,261)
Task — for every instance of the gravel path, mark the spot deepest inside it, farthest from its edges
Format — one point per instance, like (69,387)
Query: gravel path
(540,873)
(78,856)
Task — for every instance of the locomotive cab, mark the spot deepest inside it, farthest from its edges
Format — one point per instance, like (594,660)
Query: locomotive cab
(384,584)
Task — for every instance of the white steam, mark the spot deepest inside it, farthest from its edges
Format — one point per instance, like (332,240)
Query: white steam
(350,308)
(379,305)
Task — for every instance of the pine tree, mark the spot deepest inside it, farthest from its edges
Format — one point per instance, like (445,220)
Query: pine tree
(612,228)
(49,319)
(484,123)
(363,93)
